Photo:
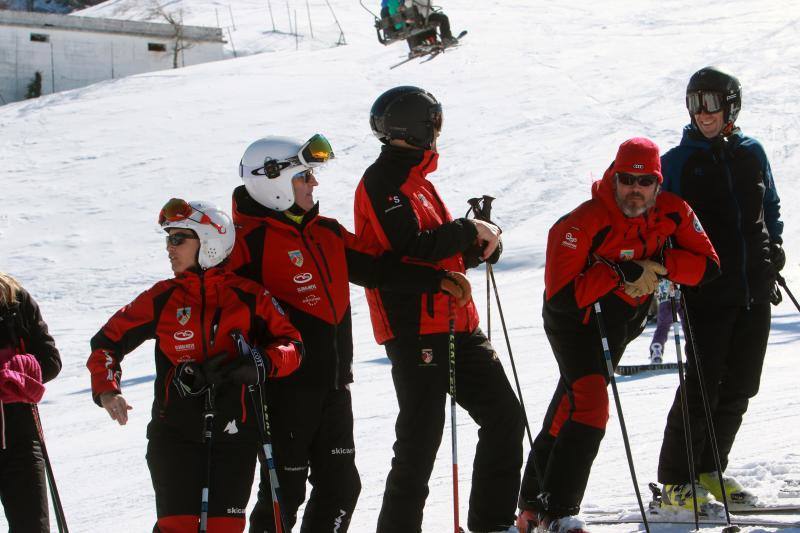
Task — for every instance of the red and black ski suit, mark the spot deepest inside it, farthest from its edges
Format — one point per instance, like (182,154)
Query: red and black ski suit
(399,210)
(28,358)
(191,317)
(581,250)
(308,263)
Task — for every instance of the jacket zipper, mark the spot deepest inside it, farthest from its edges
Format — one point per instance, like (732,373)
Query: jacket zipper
(333,307)
(203,315)
(738,227)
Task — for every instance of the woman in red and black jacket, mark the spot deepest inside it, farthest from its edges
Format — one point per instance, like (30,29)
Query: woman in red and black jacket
(28,359)
(191,317)
(308,262)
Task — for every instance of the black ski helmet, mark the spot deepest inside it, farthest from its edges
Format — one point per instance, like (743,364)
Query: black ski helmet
(713,79)
(407,113)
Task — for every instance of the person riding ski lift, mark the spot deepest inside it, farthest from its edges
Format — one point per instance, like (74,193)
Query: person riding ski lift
(416,21)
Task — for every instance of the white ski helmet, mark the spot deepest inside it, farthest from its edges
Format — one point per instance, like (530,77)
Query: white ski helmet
(212,225)
(269,164)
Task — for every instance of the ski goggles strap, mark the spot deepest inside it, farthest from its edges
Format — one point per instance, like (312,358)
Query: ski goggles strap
(698,101)
(177,209)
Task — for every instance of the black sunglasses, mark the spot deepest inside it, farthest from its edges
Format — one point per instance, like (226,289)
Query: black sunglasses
(644,180)
(176,239)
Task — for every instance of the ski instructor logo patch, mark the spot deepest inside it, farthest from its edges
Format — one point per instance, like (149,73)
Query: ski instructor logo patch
(296,257)
(183,314)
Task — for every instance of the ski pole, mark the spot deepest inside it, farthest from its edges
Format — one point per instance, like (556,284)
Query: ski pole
(598,313)
(707,411)
(782,283)
(687,430)
(262,418)
(61,519)
(451,352)
(208,432)
(484,214)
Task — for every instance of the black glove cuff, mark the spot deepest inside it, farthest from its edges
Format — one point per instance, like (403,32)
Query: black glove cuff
(630,271)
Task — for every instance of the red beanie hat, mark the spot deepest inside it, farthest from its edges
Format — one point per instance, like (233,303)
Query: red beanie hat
(639,155)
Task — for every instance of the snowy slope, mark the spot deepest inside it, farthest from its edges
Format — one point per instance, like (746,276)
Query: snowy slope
(536,102)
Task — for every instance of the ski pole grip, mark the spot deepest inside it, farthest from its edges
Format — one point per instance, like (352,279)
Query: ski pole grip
(486,212)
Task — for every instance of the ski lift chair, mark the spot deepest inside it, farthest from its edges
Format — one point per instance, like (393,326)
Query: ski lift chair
(409,25)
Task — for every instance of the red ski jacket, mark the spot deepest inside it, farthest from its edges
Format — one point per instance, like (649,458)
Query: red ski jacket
(191,317)
(397,209)
(309,266)
(581,245)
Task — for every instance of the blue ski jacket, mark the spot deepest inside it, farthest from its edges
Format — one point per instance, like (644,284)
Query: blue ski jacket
(729,184)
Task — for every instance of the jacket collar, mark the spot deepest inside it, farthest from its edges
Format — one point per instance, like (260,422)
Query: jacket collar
(415,165)
(248,214)
(692,138)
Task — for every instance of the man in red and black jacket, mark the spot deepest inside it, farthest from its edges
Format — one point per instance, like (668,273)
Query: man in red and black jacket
(609,249)
(308,261)
(399,210)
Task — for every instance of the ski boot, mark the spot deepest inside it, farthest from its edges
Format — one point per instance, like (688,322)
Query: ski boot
(527,521)
(735,493)
(564,524)
(679,496)
(656,353)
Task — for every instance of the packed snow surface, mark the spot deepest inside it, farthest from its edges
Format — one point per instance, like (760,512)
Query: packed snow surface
(536,101)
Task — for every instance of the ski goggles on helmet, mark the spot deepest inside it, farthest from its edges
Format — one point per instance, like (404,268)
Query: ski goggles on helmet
(314,152)
(176,239)
(710,102)
(645,180)
(177,209)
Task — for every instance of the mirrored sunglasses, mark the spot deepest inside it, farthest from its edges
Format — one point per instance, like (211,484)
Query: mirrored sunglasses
(306,175)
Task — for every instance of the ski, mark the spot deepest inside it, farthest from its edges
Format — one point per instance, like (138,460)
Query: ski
(790,508)
(656,519)
(428,51)
(630,370)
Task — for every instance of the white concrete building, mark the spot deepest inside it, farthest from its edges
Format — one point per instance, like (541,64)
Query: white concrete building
(71,52)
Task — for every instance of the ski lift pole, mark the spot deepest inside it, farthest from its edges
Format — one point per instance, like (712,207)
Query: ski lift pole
(342,39)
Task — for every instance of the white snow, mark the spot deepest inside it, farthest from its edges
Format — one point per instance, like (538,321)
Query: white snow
(536,102)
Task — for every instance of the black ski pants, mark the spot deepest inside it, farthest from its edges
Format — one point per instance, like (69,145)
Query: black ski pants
(23,486)
(312,436)
(561,460)
(177,469)
(421,379)
(730,344)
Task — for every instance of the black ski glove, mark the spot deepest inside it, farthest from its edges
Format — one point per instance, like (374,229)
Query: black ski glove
(190,380)
(777,256)
(775,296)
(249,369)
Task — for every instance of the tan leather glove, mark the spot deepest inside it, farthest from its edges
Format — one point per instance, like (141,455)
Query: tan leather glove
(647,281)
(457,285)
